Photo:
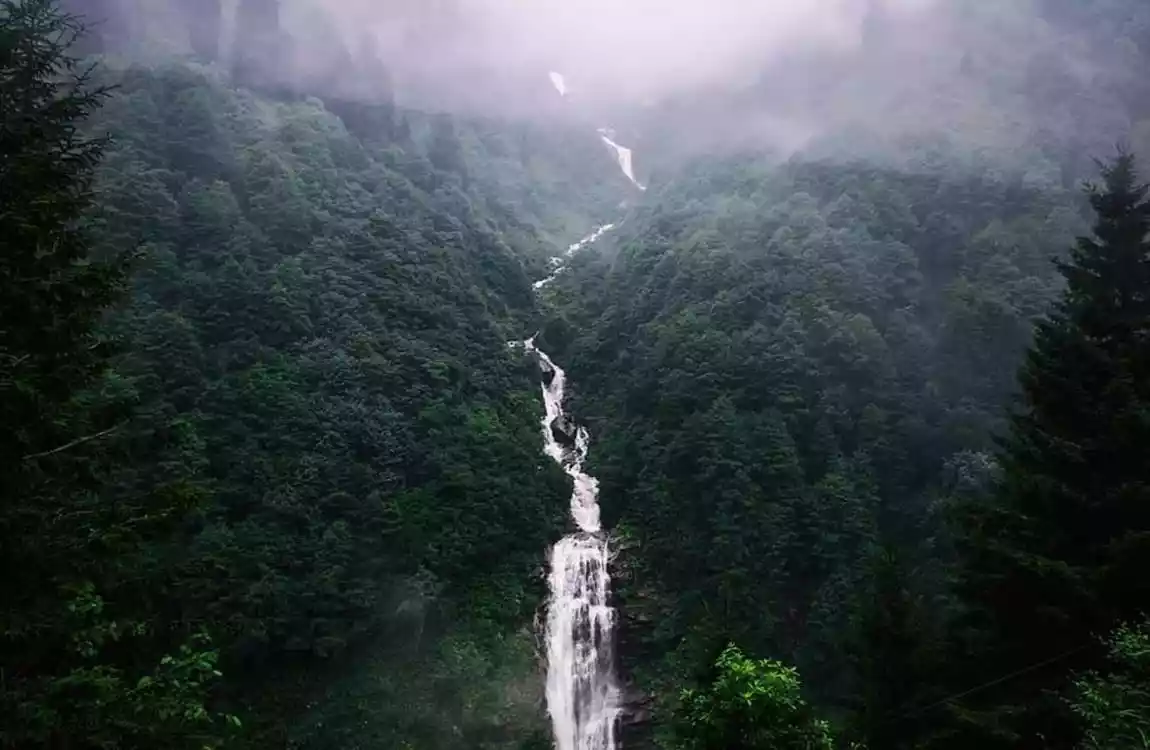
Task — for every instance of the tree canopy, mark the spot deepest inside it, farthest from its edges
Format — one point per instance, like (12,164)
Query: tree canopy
(751,705)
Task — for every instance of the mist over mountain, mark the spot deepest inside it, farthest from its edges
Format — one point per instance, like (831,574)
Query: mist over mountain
(694,77)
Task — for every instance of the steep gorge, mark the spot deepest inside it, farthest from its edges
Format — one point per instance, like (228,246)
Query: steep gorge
(584,698)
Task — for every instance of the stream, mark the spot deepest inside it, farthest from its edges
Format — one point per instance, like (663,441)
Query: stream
(583,695)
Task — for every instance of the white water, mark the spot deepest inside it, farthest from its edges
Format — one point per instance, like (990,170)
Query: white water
(557,262)
(558,82)
(622,155)
(583,696)
(582,693)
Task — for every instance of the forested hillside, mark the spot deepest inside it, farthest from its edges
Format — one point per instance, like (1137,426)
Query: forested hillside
(787,366)
(313,352)
(801,374)
(317,342)
(868,421)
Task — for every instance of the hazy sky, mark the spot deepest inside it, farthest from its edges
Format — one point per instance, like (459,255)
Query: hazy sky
(641,48)
(645,47)
(630,49)
(974,68)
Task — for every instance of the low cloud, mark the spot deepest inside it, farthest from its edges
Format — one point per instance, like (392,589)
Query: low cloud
(998,74)
(608,50)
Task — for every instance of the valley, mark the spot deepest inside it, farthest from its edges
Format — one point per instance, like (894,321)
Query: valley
(369,383)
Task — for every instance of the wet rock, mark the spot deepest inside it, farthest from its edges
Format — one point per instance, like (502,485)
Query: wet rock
(548,373)
(564,430)
(635,718)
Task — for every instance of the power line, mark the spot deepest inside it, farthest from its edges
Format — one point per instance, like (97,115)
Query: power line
(992,683)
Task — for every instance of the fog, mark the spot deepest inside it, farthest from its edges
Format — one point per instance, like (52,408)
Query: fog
(703,74)
(646,50)
(618,51)
(727,71)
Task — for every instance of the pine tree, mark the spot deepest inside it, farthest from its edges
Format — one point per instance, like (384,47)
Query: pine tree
(77,668)
(1058,556)
(52,294)
(893,649)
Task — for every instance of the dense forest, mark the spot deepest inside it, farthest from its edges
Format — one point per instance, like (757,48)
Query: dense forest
(793,371)
(316,342)
(870,429)
(305,385)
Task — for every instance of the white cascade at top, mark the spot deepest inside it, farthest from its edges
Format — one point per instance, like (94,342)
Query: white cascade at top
(622,155)
(558,82)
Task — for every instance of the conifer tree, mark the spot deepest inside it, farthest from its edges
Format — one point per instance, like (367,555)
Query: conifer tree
(52,293)
(893,649)
(78,668)
(1059,555)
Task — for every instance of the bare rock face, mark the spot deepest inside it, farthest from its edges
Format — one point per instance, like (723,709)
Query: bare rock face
(636,716)
(548,373)
(204,21)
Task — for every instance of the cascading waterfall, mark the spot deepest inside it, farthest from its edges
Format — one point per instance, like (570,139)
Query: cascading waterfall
(607,135)
(557,262)
(558,82)
(622,155)
(583,696)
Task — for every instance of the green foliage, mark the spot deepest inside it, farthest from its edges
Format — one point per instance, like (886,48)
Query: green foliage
(895,651)
(82,663)
(1115,707)
(785,366)
(53,292)
(317,344)
(1056,555)
(329,485)
(331,452)
(750,705)
(98,704)
(473,689)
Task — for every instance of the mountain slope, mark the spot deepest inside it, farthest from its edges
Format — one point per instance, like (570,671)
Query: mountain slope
(784,365)
(317,346)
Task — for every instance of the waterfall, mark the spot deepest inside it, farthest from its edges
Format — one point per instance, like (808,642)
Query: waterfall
(622,155)
(583,696)
(558,82)
(557,262)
